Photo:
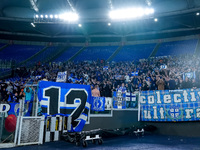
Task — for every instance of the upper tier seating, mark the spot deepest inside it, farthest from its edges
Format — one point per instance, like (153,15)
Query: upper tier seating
(96,52)
(45,54)
(67,54)
(177,47)
(134,52)
(19,52)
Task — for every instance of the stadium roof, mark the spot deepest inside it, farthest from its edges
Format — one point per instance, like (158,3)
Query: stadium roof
(175,18)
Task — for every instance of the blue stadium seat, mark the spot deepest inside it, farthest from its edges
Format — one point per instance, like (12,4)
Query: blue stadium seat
(96,52)
(177,47)
(134,52)
(19,52)
(45,54)
(67,54)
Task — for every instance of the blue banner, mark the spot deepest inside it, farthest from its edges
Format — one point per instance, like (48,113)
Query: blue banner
(119,100)
(13,108)
(67,100)
(176,105)
(131,100)
(98,103)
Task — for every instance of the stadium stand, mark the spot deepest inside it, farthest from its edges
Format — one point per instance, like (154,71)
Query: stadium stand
(67,54)
(134,52)
(19,52)
(177,48)
(94,53)
(43,55)
(1,45)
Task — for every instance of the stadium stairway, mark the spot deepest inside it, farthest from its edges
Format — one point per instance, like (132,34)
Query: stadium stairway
(4,46)
(32,57)
(60,51)
(197,50)
(76,54)
(114,54)
(153,54)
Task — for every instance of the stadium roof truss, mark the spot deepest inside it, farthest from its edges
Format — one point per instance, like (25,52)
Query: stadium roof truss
(175,18)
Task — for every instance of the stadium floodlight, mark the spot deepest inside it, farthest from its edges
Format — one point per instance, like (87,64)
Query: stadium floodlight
(155,19)
(51,16)
(71,17)
(80,25)
(36,16)
(197,13)
(109,24)
(56,16)
(130,13)
(41,16)
(33,24)
(46,16)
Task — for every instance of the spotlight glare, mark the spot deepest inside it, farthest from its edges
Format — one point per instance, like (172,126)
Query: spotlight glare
(80,25)
(156,19)
(197,13)
(46,16)
(56,16)
(71,17)
(36,16)
(130,13)
(109,24)
(33,24)
(51,16)
(41,16)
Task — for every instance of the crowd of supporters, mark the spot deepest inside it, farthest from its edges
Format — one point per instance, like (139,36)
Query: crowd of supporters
(164,73)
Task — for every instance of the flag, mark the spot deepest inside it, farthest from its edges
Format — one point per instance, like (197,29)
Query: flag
(61,77)
(98,103)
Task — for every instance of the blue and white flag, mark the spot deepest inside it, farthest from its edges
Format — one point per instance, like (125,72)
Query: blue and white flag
(105,68)
(163,66)
(119,100)
(130,97)
(66,100)
(74,79)
(189,75)
(61,77)
(170,105)
(98,103)
(134,73)
(131,100)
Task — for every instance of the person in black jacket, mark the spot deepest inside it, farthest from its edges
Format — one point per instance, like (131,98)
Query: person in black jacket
(186,84)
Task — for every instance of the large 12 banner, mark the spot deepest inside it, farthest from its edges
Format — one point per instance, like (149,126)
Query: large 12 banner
(66,100)
(176,105)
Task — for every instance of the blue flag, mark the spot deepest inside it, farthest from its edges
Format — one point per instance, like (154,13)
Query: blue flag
(98,103)
(66,100)
(119,100)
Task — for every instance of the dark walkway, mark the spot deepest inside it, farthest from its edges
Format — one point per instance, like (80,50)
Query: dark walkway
(150,142)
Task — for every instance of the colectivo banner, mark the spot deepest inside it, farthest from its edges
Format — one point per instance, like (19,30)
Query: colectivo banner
(66,100)
(176,105)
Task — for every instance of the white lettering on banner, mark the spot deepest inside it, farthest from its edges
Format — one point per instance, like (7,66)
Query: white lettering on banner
(147,114)
(4,107)
(162,113)
(198,112)
(179,105)
(155,116)
(199,93)
(185,94)
(151,99)
(176,100)
(158,97)
(167,99)
(193,99)
(188,113)
(142,98)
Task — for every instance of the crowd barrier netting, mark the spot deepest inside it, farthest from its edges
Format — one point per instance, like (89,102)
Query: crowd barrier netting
(12,118)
